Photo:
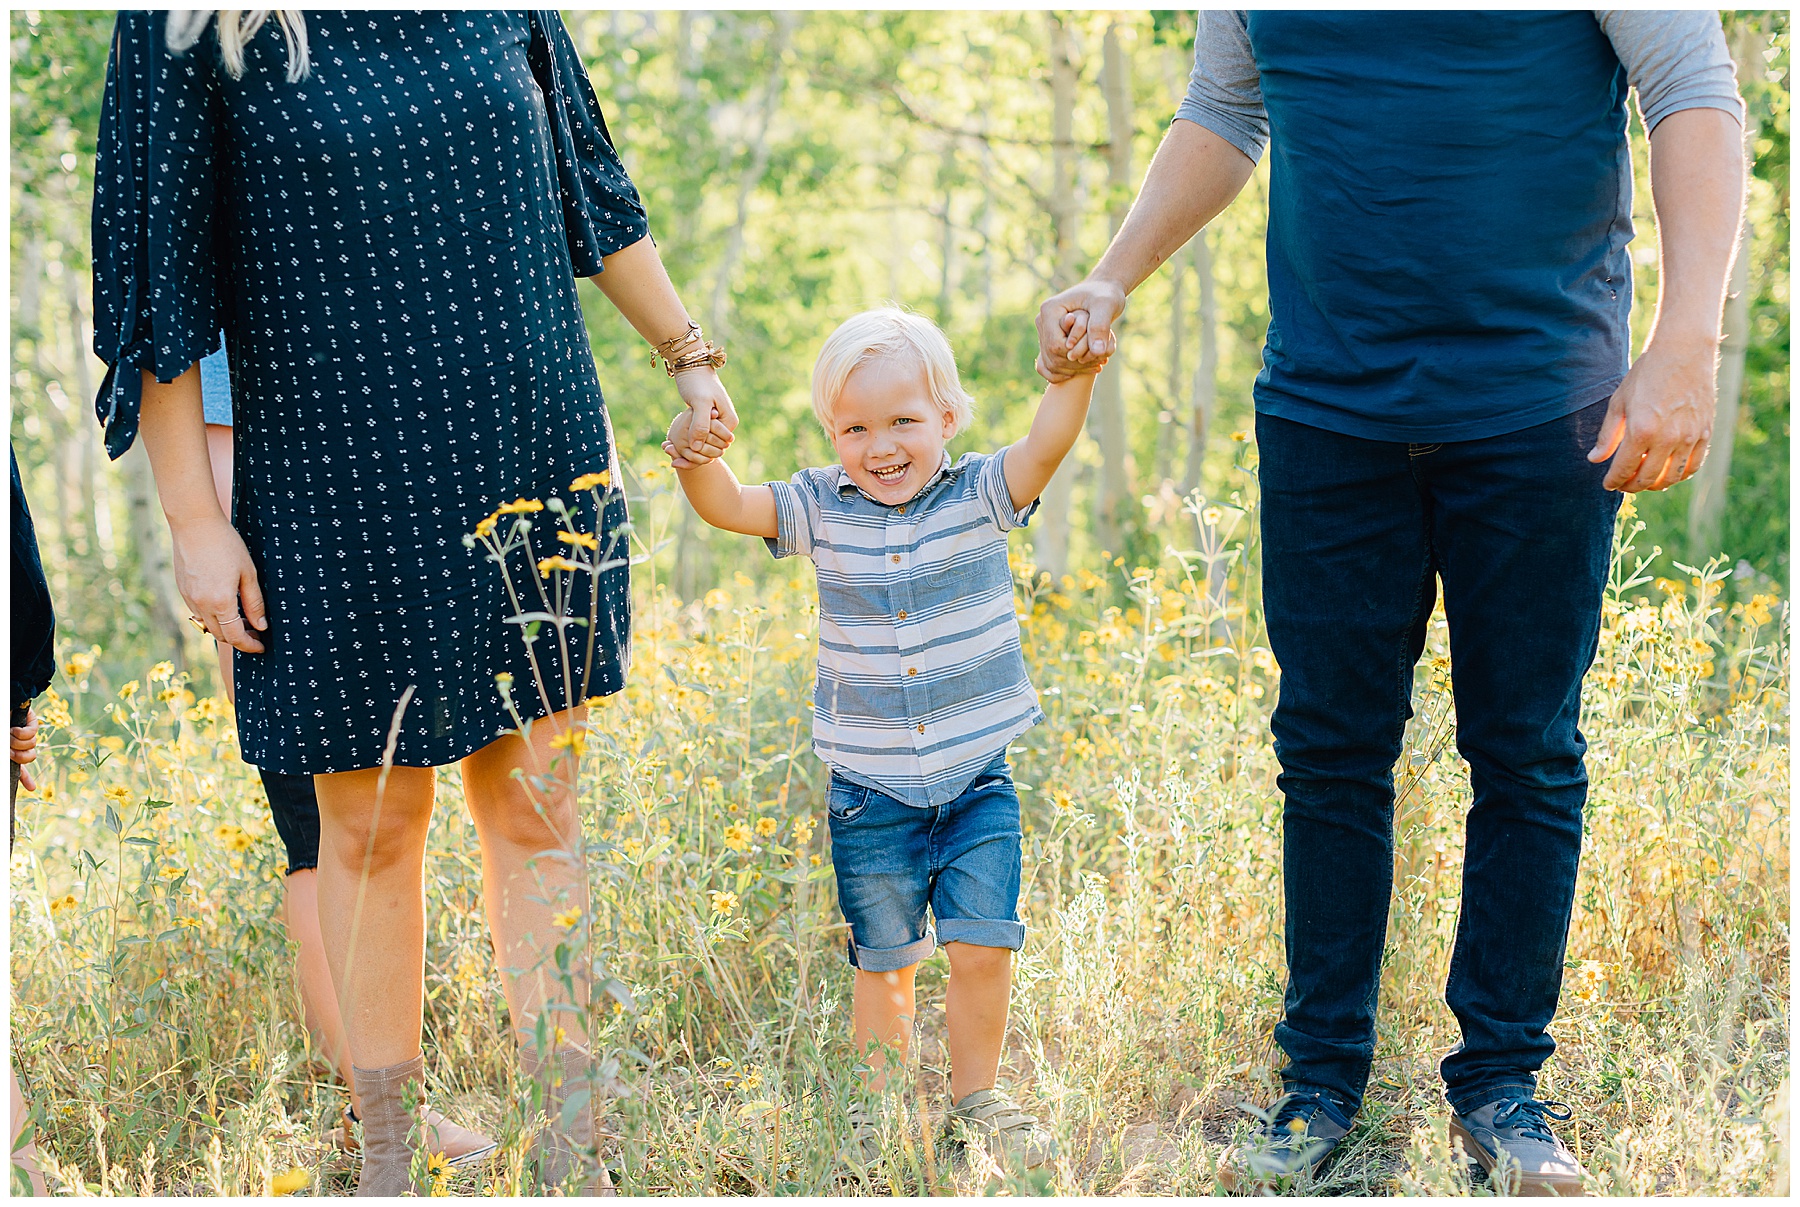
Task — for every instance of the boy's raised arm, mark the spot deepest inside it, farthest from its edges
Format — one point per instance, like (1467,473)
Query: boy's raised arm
(718,497)
(1054,430)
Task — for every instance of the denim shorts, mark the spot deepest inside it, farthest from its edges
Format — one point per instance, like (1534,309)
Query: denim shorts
(894,859)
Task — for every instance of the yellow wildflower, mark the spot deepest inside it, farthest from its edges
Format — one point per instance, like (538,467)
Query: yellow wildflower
(570,739)
(558,562)
(225,834)
(63,904)
(1242,437)
(519,507)
(129,690)
(803,830)
(293,1180)
(583,539)
(765,827)
(173,873)
(723,903)
(188,923)
(486,527)
(503,678)
(119,793)
(737,836)
(603,479)
(80,664)
(569,919)
(161,671)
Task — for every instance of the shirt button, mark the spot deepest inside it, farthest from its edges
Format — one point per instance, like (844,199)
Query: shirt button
(896,558)
(912,670)
(921,727)
(903,616)
(899,511)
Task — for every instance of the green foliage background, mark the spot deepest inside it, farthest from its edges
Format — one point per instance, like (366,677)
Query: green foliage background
(797,167)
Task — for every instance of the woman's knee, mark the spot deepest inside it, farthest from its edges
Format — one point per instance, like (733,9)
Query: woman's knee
(362,828)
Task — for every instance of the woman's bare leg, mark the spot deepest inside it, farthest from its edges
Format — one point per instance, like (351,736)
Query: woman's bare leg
(372,864)
(531,868)
(318,999)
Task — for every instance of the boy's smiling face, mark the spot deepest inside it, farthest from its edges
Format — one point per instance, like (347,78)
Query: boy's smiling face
(888,431)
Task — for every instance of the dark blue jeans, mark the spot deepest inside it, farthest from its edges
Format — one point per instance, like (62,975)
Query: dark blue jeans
(1356,534)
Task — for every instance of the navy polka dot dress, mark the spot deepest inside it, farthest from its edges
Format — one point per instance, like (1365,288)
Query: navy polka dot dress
(391,247)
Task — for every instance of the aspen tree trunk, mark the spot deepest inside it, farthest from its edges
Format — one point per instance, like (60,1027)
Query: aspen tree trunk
(752,175)
(947,233)
(1052,548)
(1204,398)
(1165,424)
(1107,418)
(1706,504)
(148,534)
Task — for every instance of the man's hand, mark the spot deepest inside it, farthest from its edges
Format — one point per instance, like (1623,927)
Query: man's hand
(1660,419)
(1075,329)
(25,749)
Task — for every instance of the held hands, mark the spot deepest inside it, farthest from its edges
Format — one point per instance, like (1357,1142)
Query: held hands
(215,575)
(710,419)
(690,446)
(1659,421)
(1075,332)
(24,749)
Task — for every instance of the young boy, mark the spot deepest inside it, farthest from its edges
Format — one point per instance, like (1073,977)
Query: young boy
(921,685)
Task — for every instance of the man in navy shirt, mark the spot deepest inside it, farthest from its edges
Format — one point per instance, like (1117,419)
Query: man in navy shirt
(1445,395)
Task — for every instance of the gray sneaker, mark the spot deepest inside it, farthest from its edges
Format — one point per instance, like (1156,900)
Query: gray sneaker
(1512,1140)
(862,1150)
(993,1120)
(1298,1133)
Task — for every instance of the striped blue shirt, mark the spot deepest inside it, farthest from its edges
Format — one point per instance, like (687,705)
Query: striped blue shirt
(921,675)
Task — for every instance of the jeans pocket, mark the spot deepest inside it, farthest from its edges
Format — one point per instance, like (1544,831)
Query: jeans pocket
(846,801)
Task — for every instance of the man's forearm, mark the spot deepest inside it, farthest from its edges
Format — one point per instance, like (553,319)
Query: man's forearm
(1697,184)
(1194,175)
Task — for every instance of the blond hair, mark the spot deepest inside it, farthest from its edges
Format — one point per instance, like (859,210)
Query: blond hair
(236,27)
(889,333)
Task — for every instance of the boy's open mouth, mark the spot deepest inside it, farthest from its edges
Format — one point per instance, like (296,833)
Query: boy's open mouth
(890,473)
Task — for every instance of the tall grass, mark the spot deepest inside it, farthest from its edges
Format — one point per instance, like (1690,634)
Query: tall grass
(159,1042)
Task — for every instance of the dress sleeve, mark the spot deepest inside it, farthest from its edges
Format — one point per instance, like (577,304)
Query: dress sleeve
(601,209)
(156,288)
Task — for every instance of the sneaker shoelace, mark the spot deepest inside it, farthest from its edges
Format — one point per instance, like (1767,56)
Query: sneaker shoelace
(1532,1118)
(1301,1107)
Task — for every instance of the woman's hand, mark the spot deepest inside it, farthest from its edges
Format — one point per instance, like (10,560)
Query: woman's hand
(711,417)
(216,577)
(24,749)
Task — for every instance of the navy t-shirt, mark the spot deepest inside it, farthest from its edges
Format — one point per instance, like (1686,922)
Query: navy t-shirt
(1450,203)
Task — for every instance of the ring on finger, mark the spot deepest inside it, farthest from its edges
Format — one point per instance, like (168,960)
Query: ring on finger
(197,622)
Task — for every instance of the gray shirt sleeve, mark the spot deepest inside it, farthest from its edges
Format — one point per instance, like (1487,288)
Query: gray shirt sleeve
(1225,92)
(1676,59)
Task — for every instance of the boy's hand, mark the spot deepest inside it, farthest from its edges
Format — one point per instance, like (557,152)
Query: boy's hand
(24,749)
(688,452)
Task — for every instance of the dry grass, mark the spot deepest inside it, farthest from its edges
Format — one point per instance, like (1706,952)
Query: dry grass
(158,1039)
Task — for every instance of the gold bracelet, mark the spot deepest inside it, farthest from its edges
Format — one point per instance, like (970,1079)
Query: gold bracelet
(708,354)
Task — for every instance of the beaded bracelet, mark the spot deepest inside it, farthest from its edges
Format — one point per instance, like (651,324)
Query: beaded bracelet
(689,350)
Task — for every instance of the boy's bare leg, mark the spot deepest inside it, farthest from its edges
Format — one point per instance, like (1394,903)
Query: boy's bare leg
(884,1015)
(975,1007)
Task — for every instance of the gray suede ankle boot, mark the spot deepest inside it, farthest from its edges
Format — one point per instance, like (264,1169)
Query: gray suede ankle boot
(559,1152)
(386,1125)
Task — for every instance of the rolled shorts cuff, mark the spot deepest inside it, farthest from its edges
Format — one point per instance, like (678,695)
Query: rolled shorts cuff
(982,932)
(891,959)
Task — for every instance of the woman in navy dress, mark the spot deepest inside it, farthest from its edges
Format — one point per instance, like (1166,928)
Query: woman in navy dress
(386,213)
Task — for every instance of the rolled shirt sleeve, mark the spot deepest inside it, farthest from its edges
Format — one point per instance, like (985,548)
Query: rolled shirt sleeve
(1675,59)
(797,508)
(1225,90)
